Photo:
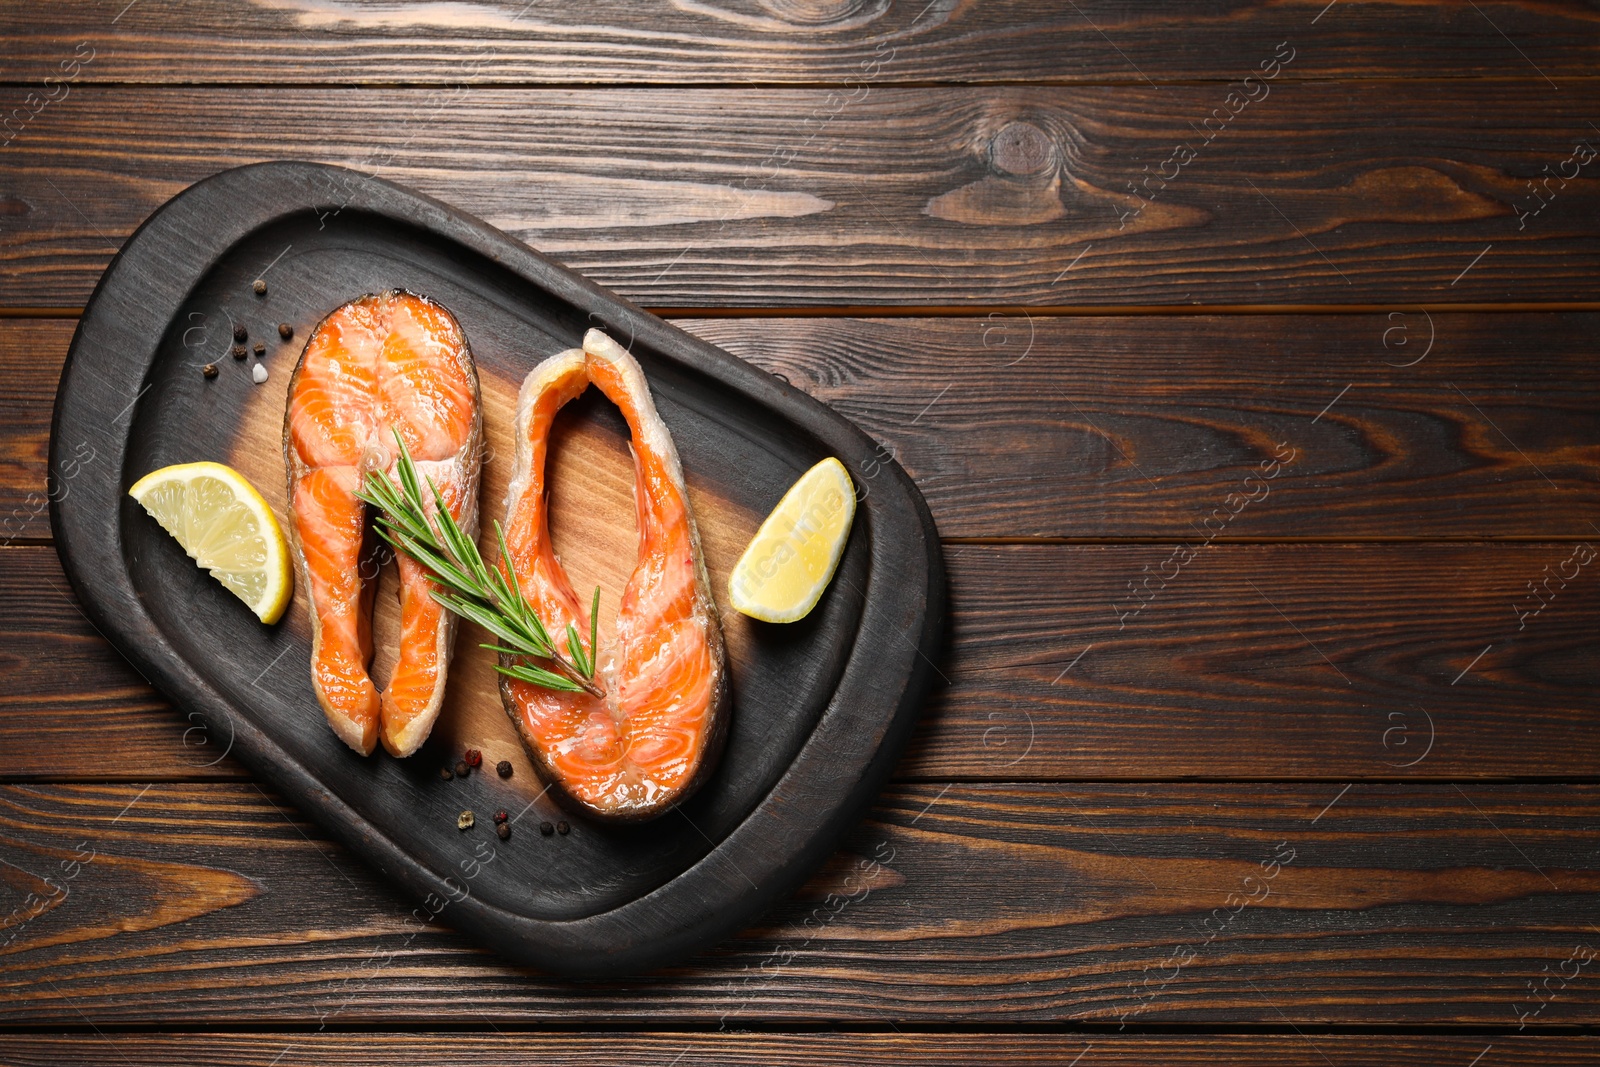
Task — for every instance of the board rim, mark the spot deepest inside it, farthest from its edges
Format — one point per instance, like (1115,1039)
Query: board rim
(772,849)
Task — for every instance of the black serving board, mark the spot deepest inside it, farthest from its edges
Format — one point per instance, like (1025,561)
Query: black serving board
(821,707)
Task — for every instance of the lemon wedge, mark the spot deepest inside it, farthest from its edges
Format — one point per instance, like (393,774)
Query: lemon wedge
(225,526)
(792,558)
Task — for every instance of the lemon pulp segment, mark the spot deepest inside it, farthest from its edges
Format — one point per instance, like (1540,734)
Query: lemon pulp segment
(226,527)
(791,559)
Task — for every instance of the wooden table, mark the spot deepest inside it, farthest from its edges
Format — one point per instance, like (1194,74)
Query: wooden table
(1245,353)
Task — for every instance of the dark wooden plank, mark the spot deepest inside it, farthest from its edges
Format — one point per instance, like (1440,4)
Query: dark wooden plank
(951,904)
(1209,680)
(288,41)
(1288,661)
(31,354)
(969,197)
(1099,427)
(1117,426)
(523,1049)
(70,698)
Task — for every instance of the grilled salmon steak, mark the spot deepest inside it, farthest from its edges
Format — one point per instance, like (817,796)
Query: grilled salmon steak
(653,737)
(393,362)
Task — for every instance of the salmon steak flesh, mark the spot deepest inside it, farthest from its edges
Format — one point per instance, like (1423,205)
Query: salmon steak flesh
(387,364)
(653,735)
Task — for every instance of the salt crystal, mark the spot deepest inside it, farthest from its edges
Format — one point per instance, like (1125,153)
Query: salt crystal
(258,373)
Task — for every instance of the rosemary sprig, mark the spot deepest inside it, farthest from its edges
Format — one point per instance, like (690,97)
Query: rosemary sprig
(472,589)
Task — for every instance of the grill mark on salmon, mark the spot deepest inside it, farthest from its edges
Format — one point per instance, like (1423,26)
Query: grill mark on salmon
(656,734)
(384,363)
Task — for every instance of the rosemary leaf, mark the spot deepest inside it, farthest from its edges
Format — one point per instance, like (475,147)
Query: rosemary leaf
(594,631)
(469,587)
(489,620)
(502,649)
(441,570)
(575,652)
(541,677)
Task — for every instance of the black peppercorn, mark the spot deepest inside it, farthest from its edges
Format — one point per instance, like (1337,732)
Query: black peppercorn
(563,828)
(547,828)
(503,768)
(285,331)
(239,352)
(444,772)
(209,370)
(504,830)
(462,770)
(239,332)
(260,287)
(260,349)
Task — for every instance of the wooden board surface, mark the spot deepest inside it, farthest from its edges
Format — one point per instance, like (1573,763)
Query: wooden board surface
(817,711)
(845,42)
(514,1048)
(973,197)
(1216,678)
(1024,426)
(978,905)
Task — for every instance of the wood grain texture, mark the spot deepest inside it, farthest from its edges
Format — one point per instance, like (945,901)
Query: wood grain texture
(61,675)
(1209,680)
(523,1049)
(1117,426)
(963,904)
(31,354)
(974,197)
(1103,427)
(786,41)
(988,155)
(1349,661)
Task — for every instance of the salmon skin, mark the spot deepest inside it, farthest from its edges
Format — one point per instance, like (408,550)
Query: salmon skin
(656,734)
(382,364)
